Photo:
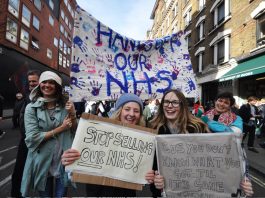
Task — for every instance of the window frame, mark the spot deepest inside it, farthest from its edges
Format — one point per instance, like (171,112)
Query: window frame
(22,41)
(24,19)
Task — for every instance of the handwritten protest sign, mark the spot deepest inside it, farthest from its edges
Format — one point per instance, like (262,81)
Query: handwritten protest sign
(113,150)
(200,165)
(106,64)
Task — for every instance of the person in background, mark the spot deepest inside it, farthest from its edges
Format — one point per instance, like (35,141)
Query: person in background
(33,81)
(16,111)
(173,117)
(220,118)
(2,133)
(50,123)
(128,110)
(198,109)
(249,113)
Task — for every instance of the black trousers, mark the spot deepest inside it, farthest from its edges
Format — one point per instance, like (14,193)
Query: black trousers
(18,169)
(250,131)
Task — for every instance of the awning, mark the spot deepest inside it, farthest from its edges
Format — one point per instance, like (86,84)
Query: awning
(248,68)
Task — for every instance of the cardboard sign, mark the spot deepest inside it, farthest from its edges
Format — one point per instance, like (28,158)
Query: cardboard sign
(110,149)
(200,165)
(106,64)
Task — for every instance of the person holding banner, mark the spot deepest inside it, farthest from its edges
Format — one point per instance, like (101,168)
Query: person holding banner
(173,117)
(49,124)
(128,110)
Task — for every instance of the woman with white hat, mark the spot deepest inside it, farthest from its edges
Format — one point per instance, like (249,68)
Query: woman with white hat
(128,110)
(49,123)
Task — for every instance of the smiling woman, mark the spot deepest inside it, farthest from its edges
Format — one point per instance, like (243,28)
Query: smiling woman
(129,110)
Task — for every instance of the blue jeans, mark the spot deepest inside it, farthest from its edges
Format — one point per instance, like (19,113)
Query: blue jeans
(60,190)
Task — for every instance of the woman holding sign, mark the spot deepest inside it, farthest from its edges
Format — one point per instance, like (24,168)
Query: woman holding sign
(129,110)
(49,122)
(174,118)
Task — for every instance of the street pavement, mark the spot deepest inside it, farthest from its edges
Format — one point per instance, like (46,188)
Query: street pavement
(7,161)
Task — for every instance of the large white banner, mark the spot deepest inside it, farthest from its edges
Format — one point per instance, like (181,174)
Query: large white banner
(113,151)
(200,165)
(106,64)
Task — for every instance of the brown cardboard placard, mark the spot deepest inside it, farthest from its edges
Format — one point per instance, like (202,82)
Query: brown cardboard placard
(101,180)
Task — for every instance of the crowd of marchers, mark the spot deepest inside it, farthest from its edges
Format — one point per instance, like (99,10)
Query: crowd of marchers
(48,120)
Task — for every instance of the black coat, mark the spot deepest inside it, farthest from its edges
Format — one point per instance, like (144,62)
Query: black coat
(245,112)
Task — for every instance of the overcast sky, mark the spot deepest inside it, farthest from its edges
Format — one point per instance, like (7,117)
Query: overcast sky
(130,18)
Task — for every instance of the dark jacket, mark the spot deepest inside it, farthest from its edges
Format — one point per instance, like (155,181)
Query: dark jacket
(245,112)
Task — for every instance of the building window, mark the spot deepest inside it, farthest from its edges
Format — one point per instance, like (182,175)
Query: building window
(61,44)
(64,62)
(24,39)
(200,62)
(188,40)
(51,4)
(66,2)
(60,59)
(70,26)
(201,4)
(220,51)
(51,20)
(261,30)
(187,16)
(49,53)
(62,14)
(61,29)
(68,63)
(200,31)
(69,50)
(11,31)
(35,43)
(26,14)
(221,11)
(37,4)
(66,20)
(36,23)
(64,48)
(55,42)
(66,34)
(13,7)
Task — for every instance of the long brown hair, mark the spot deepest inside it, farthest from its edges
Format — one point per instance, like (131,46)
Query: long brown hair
(183,119)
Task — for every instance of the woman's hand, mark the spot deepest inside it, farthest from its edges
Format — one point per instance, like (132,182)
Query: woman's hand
(246,186)
(159,181)
(67,123)
(150,176)
(70,156)
(70,107)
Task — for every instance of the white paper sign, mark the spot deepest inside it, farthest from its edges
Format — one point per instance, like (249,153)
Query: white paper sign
(113,151)
(200,165)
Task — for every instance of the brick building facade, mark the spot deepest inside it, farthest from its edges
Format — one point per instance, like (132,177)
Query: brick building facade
(226,42)
(35,34)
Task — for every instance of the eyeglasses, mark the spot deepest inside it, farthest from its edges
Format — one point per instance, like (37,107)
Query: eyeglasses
(174,103)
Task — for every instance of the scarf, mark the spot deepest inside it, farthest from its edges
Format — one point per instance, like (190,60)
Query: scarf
(226,118)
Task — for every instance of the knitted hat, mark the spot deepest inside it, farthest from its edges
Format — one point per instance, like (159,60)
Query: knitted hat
(128,97)
(47,75)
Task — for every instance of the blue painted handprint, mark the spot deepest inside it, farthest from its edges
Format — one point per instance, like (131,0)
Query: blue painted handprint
(80,43)
(189,67)
(95,88)
(75,66)
(191,85)
(175,73)
(79,83)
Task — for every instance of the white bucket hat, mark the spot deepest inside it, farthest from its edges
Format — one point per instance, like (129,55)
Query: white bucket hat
(47,75)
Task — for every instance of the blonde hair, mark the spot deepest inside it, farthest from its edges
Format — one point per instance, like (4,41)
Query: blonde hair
(117,116)
(184,118)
